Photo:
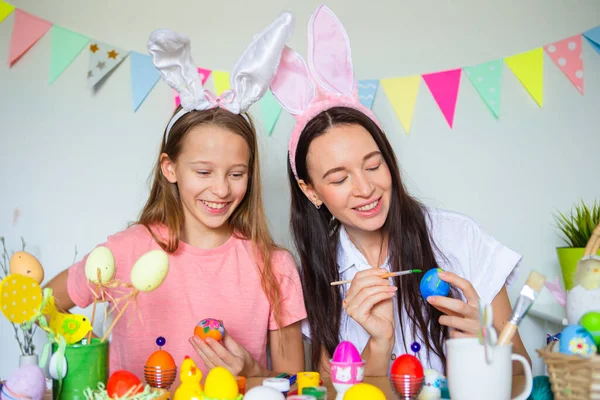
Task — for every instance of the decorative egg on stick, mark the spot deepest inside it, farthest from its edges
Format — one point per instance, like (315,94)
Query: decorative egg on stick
(147,274)
(24,263)
(99,270)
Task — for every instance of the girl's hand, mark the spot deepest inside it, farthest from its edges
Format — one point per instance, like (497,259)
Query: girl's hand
(369,302)
(461,317)
(228,354)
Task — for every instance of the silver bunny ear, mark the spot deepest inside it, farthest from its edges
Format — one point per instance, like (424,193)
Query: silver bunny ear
(256,68)
(172,56)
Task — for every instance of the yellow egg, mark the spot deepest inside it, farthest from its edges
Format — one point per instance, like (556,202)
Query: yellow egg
(21,298)
(150,270)
(23,263)
(100,258)
(220,384)
(364,391)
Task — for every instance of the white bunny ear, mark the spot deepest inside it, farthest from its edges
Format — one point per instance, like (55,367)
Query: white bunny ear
(172,56)
(292,85)
(329,56)
(256,68)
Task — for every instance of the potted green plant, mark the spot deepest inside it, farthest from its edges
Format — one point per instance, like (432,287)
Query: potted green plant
(576,227)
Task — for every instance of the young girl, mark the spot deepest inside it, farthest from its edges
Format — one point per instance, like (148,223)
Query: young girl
(352,218)
(205,210)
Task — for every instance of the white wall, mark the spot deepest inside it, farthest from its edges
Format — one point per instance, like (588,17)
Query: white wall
(76,164)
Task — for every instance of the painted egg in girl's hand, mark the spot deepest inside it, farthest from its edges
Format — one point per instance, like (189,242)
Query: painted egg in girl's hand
(209,328)
(433,285)
(575,339)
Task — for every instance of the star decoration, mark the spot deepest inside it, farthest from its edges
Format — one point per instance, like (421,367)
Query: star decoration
(113,54)
(90,74)
(100,65)
(94,48)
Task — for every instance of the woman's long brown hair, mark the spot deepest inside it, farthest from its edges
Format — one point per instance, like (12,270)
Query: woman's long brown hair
(248,219)
(316,233)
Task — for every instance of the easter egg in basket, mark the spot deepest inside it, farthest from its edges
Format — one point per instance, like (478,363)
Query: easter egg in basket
(591,322)
(576,340)
(433,285)
(209,328)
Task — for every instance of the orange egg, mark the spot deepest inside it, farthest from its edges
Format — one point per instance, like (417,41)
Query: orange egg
(162,359)
(23,263)
(209,328)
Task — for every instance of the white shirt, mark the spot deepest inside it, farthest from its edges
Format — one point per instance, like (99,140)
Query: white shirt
(467,251)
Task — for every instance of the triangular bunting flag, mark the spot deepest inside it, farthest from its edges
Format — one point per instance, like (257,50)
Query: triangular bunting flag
(593,37)
(402,93)
(367,89)
(144,76)
(66,45)
(204,74)
(221,80)
(5,10)
(27,30)
(567,55)
(528,67)
(270,110)
(487,78)
(444,88)
(103,59)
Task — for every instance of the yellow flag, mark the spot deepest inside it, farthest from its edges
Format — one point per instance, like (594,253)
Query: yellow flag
(221,80)
(529,69)
(402,93)
(5,10)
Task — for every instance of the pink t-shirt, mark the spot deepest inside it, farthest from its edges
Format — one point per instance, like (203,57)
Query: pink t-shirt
(222,283)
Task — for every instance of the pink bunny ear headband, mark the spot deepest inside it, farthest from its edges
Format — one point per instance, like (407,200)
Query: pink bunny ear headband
(250,79)
(330,82)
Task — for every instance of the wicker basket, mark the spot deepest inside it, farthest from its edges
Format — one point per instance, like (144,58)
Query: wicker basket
(574,377)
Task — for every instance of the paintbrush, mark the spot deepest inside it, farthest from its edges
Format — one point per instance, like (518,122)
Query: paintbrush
(384,276)
(529,292)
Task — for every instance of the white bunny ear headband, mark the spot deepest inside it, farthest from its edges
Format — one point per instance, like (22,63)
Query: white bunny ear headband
(250,79)
(330,82)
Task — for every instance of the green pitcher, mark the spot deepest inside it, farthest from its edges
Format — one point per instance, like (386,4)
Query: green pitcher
(86,366)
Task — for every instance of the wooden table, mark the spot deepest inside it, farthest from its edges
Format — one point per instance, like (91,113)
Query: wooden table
(381,382)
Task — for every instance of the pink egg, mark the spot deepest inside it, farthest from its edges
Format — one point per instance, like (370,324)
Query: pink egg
(346,352)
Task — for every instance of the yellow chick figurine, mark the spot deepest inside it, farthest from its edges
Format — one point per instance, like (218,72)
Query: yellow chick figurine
(588,273)
(73,327)
(190,377)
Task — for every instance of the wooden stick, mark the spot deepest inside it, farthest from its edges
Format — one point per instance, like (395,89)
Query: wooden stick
(384,276)
(98,288)
(119,316)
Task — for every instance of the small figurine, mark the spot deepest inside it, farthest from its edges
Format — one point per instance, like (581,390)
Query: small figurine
(190,377)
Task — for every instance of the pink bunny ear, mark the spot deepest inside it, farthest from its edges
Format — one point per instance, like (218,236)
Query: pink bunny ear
(329,55)
(292,85)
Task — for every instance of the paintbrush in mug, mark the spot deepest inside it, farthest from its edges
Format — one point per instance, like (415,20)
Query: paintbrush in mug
(529,292)
(384,276)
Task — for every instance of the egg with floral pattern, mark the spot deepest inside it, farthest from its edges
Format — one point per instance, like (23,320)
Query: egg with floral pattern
(210,328)
(576,340)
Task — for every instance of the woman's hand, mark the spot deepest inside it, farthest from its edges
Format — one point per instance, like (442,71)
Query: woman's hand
(228,354)
(462,318)
(369,302)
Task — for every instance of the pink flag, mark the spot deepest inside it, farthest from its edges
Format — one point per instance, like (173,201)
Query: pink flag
(444,88)
(204,74)
(567,55)
(27,30)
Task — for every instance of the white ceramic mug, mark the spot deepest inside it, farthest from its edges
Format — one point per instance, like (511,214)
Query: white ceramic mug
(471,377)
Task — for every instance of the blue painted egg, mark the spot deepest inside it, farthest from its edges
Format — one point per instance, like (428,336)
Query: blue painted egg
(432,285)
(575,339)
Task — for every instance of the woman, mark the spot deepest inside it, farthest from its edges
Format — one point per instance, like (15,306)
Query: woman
(352,218)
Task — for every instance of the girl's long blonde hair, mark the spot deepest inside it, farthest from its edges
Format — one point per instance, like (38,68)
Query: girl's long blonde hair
(248,219)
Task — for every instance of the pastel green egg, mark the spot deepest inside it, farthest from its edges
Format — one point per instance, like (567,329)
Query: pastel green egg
(101,258)
(591,322)
(150,270)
